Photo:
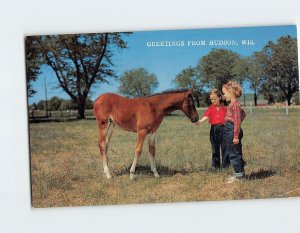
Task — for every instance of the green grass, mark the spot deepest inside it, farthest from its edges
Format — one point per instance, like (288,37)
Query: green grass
(66,169)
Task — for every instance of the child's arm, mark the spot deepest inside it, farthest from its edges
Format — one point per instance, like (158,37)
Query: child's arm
(203,119)
(237,122)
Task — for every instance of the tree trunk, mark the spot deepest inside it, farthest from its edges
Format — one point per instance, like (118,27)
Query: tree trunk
(255,98)
(197,101)
(289,98)
(81,107)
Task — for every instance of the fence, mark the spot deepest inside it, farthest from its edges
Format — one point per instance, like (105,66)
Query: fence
(60,115)
(284,106)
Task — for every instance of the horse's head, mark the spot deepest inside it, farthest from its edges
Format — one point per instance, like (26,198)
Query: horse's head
(188,106)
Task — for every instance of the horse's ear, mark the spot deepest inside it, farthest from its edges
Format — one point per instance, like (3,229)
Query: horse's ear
(189,92)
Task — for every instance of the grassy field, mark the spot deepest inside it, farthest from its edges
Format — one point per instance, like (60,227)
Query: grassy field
(66,169)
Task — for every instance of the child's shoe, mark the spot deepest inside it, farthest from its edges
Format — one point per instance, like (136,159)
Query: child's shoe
(234,179)
(214,169)
(231,180)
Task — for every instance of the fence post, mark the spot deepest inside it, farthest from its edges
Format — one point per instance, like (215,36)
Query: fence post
(286,108)
(251,108)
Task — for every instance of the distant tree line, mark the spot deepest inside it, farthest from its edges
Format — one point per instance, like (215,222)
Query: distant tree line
(56,103)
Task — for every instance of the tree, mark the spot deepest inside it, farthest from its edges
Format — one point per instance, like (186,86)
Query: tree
(137,82)
(33,106)
(251,70)
(190,78)
(255,75)
(68,105)
(33,63)
(89,103)
(280,63)
(271,93)
(217,68)
(79,61)
(41,105)
(55,103)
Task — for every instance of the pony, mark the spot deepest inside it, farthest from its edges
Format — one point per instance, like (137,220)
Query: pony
(142,115)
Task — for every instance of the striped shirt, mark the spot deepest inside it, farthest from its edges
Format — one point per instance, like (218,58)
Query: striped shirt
(236,115)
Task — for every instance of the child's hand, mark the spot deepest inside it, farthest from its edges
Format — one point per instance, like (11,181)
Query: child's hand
(236,141)
(200,121)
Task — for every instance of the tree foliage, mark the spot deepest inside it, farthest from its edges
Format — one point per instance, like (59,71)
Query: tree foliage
(252,71)
(137,82)
(41,105)
(190,78)
(33,63)
(218,67)
(54,103)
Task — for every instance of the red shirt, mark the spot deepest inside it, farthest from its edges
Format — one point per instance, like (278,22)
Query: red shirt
(236,115)
(216,116)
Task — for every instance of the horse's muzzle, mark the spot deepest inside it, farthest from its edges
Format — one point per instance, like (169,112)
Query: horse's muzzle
(194,120)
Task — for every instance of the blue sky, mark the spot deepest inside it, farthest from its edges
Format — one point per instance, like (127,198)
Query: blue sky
(167,61)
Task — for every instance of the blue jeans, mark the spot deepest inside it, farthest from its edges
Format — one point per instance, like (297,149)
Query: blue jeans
(216,140)
(234,151)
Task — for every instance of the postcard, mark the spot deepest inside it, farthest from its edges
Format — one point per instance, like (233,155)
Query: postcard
(163,116)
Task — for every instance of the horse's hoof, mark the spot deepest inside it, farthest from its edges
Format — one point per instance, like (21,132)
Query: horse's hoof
(131,176)
(108,176)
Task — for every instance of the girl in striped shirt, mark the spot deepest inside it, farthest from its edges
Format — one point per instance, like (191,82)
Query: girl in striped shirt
(233,133)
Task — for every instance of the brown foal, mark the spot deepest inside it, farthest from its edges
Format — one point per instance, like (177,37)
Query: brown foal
(142,115)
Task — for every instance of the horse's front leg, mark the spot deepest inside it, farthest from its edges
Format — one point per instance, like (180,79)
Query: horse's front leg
(138,150)
(151,142)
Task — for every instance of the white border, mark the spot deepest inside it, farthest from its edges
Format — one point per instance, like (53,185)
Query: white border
(19,18)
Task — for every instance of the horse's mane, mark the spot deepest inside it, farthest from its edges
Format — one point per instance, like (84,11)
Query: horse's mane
(170,91)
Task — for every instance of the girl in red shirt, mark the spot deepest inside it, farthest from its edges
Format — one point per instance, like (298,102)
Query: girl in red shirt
(216,116)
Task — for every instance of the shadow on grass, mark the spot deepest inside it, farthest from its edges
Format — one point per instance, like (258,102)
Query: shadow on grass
(261,174)
(166,171)
(146,170)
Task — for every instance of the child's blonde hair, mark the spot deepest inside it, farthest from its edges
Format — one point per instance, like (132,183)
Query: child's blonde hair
(235,87)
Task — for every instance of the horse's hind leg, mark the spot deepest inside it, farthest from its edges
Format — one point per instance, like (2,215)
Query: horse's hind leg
(102,147)
(138,150)
(108,134)
(151,142)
